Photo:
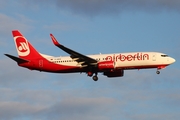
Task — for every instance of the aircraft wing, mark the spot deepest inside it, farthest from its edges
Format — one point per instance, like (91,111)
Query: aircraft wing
(80,58)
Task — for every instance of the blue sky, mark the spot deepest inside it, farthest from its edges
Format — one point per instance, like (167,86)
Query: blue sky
(90,27)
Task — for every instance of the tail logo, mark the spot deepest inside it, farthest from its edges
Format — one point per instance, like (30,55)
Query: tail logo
(22,46)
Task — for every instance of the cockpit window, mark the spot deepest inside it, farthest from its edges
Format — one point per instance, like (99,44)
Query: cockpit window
(164,55)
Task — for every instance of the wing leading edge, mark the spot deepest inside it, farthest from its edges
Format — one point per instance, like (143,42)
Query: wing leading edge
(78,57)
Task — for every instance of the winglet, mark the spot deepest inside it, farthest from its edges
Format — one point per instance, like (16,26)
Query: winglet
(56,43)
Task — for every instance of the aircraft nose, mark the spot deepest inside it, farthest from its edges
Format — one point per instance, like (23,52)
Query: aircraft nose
(172,60)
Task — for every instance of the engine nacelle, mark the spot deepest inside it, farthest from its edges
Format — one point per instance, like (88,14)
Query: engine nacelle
(117,73)
(106,65)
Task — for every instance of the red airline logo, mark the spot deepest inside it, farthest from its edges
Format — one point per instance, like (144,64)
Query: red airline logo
(22,46)
(130,57)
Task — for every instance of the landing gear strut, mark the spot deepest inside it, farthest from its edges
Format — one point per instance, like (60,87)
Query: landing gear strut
(90,74)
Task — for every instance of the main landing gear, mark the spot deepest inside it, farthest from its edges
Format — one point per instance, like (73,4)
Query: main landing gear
(95,77)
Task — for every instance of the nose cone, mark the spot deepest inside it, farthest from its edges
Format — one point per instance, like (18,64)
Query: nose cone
(172,60)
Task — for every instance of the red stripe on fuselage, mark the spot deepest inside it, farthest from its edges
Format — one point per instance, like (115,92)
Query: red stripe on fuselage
(48,66)
(43,64)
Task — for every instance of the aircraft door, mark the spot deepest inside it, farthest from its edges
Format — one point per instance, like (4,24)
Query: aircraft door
(114,60)
(40,63)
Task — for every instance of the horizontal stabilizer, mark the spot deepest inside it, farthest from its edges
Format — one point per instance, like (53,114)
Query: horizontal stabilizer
(17,59)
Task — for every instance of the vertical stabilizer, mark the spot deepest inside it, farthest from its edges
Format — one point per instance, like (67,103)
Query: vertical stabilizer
(24,48)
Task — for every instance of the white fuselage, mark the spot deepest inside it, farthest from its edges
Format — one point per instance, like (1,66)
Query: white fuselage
(122,60)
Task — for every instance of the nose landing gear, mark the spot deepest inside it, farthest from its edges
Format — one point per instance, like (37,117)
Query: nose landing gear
(159,68)
(158,72)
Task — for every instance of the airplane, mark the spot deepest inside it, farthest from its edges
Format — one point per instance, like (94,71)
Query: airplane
(111,65)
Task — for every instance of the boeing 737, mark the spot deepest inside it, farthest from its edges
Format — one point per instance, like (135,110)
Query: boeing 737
(111,65)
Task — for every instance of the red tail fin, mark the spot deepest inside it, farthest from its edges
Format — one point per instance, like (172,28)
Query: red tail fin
(24,48)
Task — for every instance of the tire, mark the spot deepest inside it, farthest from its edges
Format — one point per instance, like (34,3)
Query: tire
(95,78)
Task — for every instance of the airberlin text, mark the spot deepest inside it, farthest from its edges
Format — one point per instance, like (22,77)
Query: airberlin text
(128,57)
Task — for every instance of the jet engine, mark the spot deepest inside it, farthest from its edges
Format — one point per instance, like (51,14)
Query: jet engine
(116,73)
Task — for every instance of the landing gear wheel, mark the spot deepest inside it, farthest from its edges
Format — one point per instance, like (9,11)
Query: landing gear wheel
(158,72)
(95,78)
